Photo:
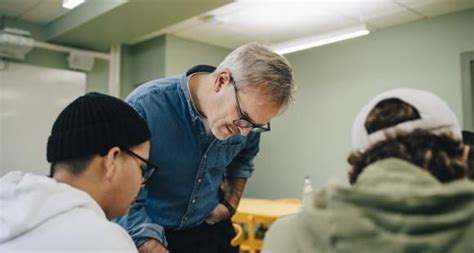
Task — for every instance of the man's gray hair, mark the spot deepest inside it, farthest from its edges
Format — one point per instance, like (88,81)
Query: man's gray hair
(256,65)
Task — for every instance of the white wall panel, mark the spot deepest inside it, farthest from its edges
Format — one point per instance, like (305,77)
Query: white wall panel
(31,98)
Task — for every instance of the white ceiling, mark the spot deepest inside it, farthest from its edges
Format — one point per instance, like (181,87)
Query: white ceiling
(34,11)
(266,21)
(277,21)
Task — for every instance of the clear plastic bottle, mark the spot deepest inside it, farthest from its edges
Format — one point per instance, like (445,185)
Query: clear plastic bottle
(307,188)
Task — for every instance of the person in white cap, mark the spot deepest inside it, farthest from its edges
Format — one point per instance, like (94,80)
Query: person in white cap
(409,190)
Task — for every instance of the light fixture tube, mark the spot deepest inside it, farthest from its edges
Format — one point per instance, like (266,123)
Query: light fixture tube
(71,4)
(319,40)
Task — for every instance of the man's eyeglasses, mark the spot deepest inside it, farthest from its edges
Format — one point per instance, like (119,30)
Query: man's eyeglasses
(147,169)
(245,121)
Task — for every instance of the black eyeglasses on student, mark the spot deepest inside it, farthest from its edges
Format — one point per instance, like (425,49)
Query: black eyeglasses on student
(147,169)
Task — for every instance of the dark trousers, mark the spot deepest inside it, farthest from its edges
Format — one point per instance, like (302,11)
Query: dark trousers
(203,239)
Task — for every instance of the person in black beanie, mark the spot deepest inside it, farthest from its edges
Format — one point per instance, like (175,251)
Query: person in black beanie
(468,139)
(98,150)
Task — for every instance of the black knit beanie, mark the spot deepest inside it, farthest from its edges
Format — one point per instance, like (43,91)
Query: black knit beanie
(93,124)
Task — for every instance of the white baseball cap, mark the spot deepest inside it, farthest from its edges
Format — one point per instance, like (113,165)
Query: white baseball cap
(435,117)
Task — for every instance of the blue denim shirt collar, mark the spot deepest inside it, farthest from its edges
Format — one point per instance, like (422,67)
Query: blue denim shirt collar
(187,95)
(185,88)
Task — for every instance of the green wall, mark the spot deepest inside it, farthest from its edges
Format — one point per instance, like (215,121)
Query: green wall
(182,54)
(142,62)
(335,81)
(166,55)
(98,77)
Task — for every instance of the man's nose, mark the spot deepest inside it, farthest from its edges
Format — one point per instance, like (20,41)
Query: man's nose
(244,131)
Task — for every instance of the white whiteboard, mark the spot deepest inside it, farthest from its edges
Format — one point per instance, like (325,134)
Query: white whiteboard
(31,97)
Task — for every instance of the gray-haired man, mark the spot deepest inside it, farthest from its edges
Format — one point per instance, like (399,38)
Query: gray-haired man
(205,126)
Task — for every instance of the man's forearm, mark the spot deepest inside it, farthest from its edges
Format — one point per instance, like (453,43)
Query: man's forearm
(235,190)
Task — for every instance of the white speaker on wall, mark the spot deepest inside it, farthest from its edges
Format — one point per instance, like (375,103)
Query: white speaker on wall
(15,43)
(81,61)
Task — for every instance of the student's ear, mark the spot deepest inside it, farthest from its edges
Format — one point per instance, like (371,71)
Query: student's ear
(224,77)
(465,155)
(111,162)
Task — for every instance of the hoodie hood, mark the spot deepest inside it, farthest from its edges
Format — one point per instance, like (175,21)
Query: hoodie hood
(28,200)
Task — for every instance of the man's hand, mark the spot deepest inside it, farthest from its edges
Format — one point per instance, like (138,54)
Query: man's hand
(152,246)
(219,213)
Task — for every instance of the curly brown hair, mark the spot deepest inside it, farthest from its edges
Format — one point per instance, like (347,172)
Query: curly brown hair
(438,154)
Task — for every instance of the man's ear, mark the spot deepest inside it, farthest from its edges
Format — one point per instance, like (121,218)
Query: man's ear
(111,162)
(222,78)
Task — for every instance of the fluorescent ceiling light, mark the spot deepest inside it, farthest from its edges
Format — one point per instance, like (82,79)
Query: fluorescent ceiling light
(71,4)
(280,1)
(319,40)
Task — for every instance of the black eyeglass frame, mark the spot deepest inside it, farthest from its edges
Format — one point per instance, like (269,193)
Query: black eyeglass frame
(149,168)
(247,122)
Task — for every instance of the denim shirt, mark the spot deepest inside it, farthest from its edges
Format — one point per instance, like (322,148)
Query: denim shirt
(183,191)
